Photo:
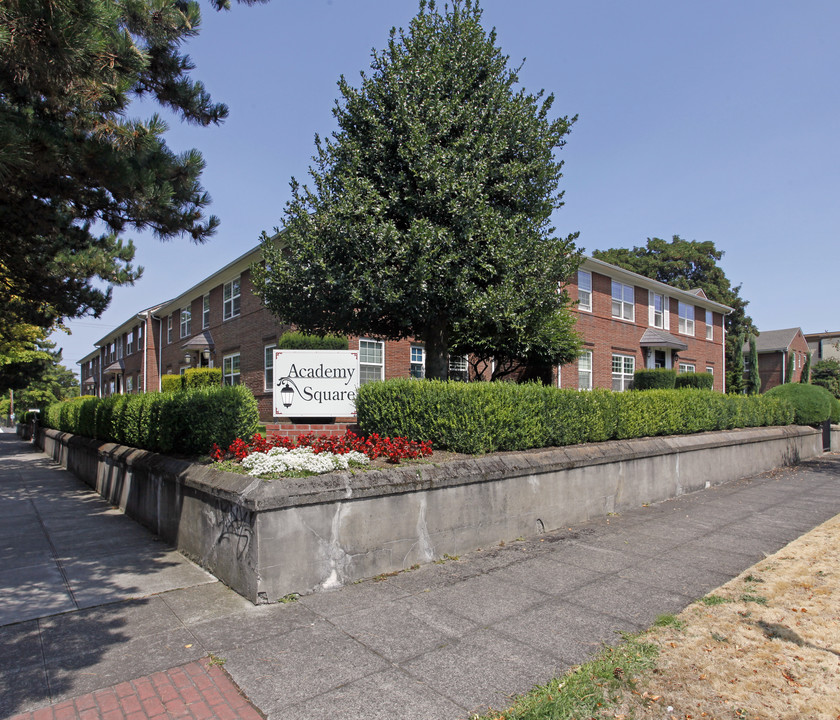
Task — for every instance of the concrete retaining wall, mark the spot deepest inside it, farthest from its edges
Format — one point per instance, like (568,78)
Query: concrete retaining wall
(267,539)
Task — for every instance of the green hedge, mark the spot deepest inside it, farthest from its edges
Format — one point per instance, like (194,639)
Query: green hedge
(486,417)
(700,381)
(811,404)
(294,340)
(185,423)
(171,383)
(658,379)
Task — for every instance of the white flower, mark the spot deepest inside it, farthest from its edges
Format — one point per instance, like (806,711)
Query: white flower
(279,460)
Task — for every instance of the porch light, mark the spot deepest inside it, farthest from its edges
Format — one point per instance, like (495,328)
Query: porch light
(206,353)
(286,395)
(187,358)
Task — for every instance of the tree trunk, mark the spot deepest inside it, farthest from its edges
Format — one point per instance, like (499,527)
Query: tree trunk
(437,352)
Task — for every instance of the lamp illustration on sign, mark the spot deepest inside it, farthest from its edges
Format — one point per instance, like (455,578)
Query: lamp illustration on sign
(287,395)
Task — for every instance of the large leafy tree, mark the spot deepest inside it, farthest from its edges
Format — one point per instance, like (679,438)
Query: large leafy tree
(25,354)
(428,214)
(76,171)
(690,264)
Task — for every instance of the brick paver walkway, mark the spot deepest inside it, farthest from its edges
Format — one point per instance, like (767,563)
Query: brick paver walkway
(196,691)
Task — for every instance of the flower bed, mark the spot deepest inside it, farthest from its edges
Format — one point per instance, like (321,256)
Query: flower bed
(312,454)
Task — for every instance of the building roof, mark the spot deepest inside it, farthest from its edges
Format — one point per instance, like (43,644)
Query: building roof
(774,340)
(125,327)
(659,338)
(823,335)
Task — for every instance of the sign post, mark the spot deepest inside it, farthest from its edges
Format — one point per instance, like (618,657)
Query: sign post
(315,383)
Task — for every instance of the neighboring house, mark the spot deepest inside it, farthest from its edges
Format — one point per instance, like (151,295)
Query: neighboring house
(627,322)
(824,346)
(774,347)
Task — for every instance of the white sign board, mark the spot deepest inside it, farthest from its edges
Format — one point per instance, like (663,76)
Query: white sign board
(315,383)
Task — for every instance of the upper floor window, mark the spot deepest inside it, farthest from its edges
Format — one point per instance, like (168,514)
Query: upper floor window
(658,312)
(205,315)
(686,313)
(169,329)
(585,290)
(371,360)
(585,370)
(186,321)
(623,367)
(623,305)
(418,362)
(129,343)
(119,345)
(710,325)
(231,299)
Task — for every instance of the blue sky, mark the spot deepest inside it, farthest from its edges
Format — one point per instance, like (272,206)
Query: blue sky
(712,120)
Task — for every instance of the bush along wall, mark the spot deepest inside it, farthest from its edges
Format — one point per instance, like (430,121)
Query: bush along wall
(811,404)
(486,417)
(702,381)
(294,340)
(657,379)
(183,423)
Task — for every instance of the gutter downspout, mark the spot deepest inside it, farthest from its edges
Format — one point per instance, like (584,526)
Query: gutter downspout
(723,354)
(145,348)
(159,351)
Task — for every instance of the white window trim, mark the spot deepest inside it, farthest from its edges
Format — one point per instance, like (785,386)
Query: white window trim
(229,315)
(685,326)
(710,326)
(186,321)
(666,322)
(412,362)
(710,370)
(169,330)
(269,365)
(459,364)
(687,368)
(626,378)
(582,386)
(237,374)
(205,312)
(585,306)
(623,303)
(380,365)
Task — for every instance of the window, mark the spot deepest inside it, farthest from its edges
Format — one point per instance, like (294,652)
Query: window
(129,384)
(230,370)
(119,345)
(623,367)
(585,370)
(231,299)
(585,290)
(686,313)
(686,368)
(657,311)
(129,343)
(458,368)
(169,329)
(418,362)
(622,301)
(371,361)
(205,316)
(710,370)
(186,322)
(710,325)
(269,366)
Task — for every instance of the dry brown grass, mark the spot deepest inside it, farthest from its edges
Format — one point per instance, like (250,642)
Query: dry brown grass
(769,651)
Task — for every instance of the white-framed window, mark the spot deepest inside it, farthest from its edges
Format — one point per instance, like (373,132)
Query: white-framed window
(205,314)
(686,314)
(169,329)
(129,384)
(710,370)
(418,362)
(623,367)
(269,366)
(623,305)
(687,368)
(186,321)
(459,369)
(230,369)
(585,290)
(585,370)
(371,361)
(658,311)
(129,343)
(710,325)
(230,296)
(119,345)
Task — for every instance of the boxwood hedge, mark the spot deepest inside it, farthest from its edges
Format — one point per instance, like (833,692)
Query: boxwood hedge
(486,417)
(185,423)
(811,403)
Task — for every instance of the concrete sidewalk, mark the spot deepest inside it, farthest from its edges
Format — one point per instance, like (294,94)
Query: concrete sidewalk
(436,642)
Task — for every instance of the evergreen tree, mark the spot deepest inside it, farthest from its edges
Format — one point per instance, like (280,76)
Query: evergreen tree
(754,382)
(690,264)
(735,374)
(789,367)
(826,374)
(805,377)
(429,211)
(76,172)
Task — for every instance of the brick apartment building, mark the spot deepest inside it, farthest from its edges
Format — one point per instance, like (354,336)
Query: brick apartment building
(824,345)
(774,348)
(626,321)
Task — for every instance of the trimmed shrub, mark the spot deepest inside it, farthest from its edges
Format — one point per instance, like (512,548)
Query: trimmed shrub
(835,410)
(171,383)
(294,340)
(657,379)
(485,417)
(700,381)
(826,373)
(202,377)
(811,403)
(187,423)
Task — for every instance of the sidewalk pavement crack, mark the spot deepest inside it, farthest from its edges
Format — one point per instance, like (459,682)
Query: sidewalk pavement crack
(56,559)
(44,660)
